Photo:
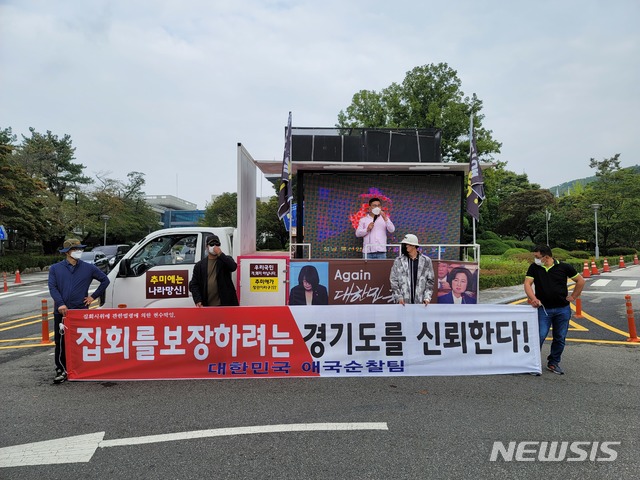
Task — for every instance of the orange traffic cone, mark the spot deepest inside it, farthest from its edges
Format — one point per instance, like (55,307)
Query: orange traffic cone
(621,264)
(605,267)
(635,259)
(594,269)
(18,279)
(4,278)
(585,270)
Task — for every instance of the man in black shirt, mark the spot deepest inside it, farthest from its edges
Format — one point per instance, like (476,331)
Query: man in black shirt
(551,298)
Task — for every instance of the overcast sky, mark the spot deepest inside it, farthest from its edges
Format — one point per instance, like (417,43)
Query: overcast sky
(169,87)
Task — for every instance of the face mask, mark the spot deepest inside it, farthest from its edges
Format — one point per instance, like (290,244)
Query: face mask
(376,211)
(76,254)
(538,261)
(211,251)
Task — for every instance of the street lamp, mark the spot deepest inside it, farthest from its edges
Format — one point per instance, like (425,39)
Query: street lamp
(547,215)
(106,219)
(595,207)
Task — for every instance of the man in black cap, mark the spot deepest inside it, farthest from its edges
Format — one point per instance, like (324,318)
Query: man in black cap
(69,282)
(211,284)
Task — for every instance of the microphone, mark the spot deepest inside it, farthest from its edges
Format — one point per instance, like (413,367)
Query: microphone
(375,217)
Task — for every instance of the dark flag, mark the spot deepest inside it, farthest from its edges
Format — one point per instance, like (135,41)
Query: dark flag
(475,183)
(284,194)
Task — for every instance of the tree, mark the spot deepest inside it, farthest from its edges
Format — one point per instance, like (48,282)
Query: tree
(269,226)
(222,212)
(500,184)
(50,159)
(22,198)
(130,217)
(429,97)
(523,214)
(617,190)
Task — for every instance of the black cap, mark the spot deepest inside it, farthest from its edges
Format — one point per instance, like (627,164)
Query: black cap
(213,241)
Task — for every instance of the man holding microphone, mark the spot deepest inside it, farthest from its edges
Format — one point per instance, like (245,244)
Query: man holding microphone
(373,228)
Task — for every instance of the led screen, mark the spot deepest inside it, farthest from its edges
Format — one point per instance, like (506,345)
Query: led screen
(426,205)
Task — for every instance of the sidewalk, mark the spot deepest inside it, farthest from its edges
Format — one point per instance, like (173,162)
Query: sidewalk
(30,278)
(494,296)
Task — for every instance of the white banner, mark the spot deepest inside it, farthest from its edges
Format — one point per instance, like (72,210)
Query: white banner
(416,340)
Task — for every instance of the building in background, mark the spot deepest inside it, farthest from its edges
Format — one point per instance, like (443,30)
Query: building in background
(173,211)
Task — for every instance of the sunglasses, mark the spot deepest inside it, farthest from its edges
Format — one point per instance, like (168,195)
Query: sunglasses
(214,243)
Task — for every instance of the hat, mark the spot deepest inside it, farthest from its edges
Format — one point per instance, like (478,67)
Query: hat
(213,238)
(69,244)
(410,239)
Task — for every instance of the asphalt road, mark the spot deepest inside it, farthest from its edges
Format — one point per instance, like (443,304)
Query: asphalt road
(438,427)
(435,427)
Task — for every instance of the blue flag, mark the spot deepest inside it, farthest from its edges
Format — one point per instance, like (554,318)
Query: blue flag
(285,194)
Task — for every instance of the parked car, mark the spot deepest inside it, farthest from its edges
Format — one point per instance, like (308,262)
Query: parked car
(113,252)
(97,258)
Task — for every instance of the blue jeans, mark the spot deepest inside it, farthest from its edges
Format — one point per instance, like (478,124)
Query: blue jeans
(375,255)
(558,318)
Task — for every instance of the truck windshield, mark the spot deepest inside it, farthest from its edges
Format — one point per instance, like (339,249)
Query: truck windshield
(166,250)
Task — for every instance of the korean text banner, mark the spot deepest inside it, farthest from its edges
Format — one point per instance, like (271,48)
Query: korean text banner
(302,341)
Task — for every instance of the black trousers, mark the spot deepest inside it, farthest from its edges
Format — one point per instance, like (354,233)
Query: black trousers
(60,359)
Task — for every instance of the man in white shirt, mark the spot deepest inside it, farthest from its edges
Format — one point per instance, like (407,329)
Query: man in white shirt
(373,228)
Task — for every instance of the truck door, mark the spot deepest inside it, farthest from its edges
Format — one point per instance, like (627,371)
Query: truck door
(159,273)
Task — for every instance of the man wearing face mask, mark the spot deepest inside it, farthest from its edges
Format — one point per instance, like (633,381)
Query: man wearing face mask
(551,298)
(373,228)
(69,282)
(211,284)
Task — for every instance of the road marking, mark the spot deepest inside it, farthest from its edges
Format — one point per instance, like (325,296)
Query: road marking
(600,283)
(629,283)
(80,448)
(41,292)
(604,325)
(5,295)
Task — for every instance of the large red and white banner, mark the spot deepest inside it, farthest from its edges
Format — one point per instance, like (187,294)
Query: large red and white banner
(305,341)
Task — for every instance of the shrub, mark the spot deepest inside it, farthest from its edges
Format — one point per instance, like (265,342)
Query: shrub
(488,235)
(492,247)
(579,254)
(617,251)
(560,254)
(515,252)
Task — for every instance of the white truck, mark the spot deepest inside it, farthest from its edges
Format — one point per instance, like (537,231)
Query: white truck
(156,271)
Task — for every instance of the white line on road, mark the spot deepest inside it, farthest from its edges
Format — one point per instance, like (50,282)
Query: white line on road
(80,448)
(41,292)
(600,283)
(629,283)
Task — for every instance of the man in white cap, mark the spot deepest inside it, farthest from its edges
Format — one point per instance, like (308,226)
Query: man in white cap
(412,276)
(69,282)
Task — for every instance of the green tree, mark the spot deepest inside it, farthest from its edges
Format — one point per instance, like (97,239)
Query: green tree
(23,199)
(130,217)
(50,159)
(222,212)
(269,227)
(617,190)
(523,214)
(499,185)
(429,97)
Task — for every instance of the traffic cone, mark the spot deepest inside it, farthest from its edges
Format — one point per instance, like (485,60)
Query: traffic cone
(4,278)
(585,271)
(18,279)
(635,259)
(594,269)
(605,267)
(621,264)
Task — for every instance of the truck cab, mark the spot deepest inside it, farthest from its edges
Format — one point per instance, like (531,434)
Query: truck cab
(157,270)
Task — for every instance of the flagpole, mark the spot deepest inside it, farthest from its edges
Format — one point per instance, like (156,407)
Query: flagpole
(470,150)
